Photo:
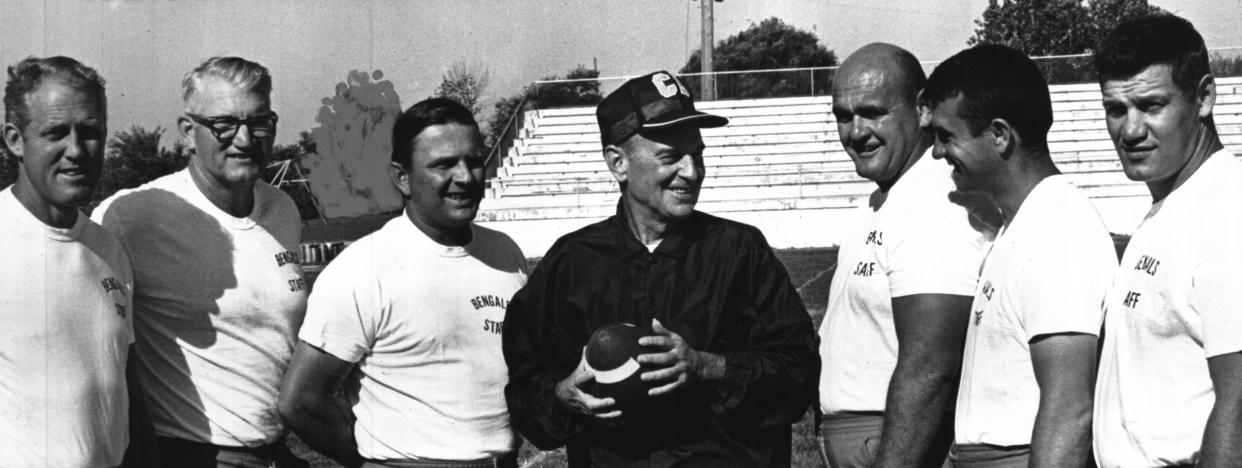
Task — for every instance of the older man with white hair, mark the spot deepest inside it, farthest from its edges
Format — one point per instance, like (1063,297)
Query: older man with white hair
(218,289)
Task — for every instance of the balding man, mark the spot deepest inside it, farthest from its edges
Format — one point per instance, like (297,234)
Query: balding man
(218,291)
(899,301)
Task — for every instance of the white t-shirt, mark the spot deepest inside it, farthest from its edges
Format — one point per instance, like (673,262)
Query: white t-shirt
(918,242)
(66,314)
(217,300)
(423,322)
(1176,301)
(1046,274)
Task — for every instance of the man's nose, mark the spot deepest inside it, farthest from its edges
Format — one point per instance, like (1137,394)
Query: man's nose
(1133,129)
(243,139)
(859,130)
(691,167)
(75,146)
(462,173)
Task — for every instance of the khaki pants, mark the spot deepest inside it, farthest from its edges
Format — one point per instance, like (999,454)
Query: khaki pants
(989,456)
(852,440)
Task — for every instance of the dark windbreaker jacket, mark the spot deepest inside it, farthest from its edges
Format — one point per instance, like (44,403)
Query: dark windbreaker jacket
(713,281)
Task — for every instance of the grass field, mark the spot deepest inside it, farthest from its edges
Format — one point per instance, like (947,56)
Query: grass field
(810,270)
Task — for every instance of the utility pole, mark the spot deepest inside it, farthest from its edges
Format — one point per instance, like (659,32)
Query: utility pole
(705,56)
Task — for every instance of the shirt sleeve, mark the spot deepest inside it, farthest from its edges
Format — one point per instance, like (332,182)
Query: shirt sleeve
(1061,288)
(343,313)
(535,367)
(1215,291)
(772,378)
(935,251)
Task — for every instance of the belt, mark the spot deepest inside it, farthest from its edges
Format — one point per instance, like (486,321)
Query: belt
(504,461)
(267,451)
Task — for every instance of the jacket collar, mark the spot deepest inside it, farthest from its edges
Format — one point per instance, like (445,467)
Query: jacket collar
(675,243)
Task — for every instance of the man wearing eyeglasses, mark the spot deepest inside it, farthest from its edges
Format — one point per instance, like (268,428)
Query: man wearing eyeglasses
(218,289)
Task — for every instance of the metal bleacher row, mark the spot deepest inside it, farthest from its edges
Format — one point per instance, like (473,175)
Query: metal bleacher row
(783,155)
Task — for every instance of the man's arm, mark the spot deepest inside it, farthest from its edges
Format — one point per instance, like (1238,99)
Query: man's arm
(931,329)
(1222,438)
(545,373)
(1065,371)
(309,407)
(142,450)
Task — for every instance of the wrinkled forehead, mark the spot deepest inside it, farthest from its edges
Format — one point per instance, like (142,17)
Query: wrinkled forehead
(868,85)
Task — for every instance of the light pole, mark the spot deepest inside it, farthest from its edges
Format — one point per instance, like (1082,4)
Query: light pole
(708,92)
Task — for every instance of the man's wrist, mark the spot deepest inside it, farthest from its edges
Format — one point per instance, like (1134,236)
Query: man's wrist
(709,367)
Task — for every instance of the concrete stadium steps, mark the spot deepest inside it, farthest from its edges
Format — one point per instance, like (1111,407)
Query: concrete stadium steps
(779,164)
(602,205)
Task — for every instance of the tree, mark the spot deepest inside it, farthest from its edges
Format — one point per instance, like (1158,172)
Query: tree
(506,114)
(1105,15)
(135,157)
(770,44)
(1056,27)
(465,84)
(1224,65)
(584,92)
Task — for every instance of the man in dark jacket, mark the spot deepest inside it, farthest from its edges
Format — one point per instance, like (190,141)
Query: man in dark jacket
(732,359)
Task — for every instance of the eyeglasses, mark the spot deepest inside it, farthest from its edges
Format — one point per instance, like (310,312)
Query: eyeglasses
(225,128)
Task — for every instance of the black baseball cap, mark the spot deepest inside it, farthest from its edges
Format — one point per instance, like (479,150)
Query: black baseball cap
(649,102)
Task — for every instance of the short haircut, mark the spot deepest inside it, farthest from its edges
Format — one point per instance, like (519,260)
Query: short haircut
(1135,45)
(26,76)
(995,82)
(428,112)
(243,74)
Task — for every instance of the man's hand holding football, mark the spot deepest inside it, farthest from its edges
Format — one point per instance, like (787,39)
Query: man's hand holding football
(679,363)
(569,392)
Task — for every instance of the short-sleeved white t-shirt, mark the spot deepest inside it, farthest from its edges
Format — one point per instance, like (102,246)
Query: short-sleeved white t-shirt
(917,242)
(1176,301)
(423,321)
(66,323)
(217,303)
(1046,274)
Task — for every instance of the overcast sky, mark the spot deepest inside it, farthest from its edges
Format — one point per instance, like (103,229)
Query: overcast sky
(144,47)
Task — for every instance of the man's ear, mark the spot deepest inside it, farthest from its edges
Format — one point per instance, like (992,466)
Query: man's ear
(400,178)
(186,127)
(1205,94)
(924,110)
(1004,140)
(618,162)
(13,139)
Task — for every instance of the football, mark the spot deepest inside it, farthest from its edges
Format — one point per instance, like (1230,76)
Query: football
(612,356)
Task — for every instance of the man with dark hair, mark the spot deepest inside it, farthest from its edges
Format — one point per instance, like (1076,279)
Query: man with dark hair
(1029,361)
(417,309)
(1170,380)
(732,358)
(891,338)
(218,290)
(67,397)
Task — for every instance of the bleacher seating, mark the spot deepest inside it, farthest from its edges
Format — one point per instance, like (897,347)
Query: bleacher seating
(783,154)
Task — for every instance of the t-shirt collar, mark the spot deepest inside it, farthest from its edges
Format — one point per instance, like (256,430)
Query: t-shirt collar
(420,240)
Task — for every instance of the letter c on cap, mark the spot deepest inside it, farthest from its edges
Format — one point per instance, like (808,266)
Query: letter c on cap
(666,85)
